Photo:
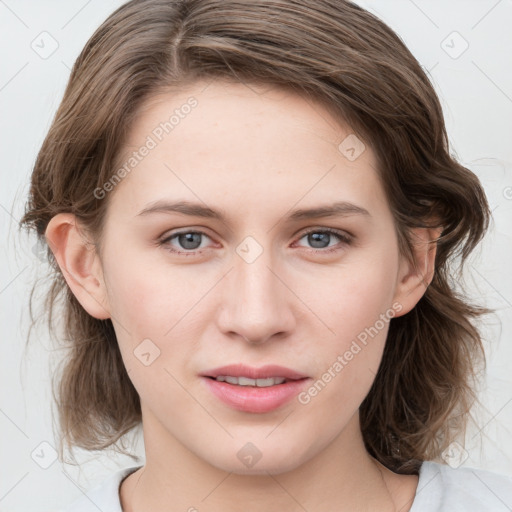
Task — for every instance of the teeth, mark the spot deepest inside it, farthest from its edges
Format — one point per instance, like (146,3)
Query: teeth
(246,381)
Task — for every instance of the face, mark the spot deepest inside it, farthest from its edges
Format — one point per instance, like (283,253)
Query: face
(247,268)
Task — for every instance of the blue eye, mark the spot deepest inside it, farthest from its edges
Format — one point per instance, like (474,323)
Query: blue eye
(321,239)
(191,242)
(188,241)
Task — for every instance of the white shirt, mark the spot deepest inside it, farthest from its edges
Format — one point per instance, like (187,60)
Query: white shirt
(441,488)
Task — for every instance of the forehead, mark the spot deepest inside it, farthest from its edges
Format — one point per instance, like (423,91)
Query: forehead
(238,145)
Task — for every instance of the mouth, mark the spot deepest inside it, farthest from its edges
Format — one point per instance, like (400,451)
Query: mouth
(254,390)
(241,371)
(246,381)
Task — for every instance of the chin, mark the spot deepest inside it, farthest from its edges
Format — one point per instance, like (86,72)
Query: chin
(250,461)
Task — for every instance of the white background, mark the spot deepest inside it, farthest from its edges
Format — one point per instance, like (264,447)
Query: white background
(476,93)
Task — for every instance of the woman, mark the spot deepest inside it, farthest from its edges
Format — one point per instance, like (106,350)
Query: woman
(253,213)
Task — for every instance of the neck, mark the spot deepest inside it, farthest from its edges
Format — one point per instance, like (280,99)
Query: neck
(343,477)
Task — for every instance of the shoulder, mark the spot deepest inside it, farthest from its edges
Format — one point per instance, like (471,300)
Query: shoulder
(443,488)
(104,496)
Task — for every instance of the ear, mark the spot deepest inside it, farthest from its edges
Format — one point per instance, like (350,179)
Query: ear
(79,262)
(415,276)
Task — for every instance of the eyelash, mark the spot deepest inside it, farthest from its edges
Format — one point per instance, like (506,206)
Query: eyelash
(345,239)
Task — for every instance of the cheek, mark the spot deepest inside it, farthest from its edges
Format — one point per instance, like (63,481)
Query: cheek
(141,315)
(351,297)
(144,297)
(153,313)
(136,303)
(356,303)
(144,311)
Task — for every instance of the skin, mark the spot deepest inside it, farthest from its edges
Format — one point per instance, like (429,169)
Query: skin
(256,154)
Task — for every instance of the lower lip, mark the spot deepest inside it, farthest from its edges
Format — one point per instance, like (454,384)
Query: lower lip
(254,399)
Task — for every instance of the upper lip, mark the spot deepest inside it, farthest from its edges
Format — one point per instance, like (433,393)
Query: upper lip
(265,372)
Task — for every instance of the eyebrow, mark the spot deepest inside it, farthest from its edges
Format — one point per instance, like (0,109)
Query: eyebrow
(340,208)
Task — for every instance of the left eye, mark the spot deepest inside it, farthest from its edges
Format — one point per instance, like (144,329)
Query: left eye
(321,238)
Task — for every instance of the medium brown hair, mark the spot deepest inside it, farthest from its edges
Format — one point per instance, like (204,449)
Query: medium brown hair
(333,52)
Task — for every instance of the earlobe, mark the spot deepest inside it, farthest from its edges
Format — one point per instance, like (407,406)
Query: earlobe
(79,262)
(414,277)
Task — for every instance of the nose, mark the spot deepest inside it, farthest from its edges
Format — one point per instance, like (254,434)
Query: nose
(256,304)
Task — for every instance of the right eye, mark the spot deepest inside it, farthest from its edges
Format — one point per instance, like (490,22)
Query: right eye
(185,242)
